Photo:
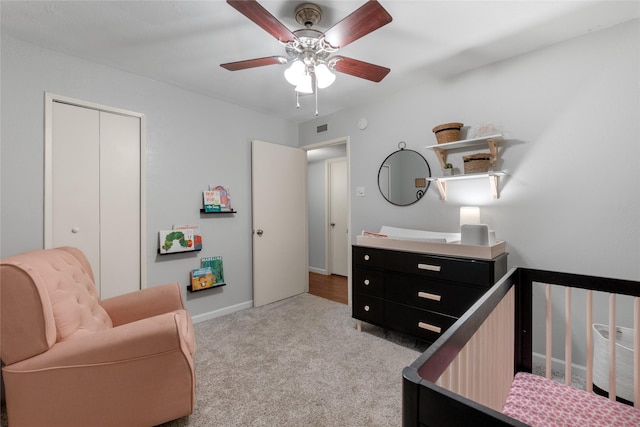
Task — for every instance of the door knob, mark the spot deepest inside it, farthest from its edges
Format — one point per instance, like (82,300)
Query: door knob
(259,232)
(333,224)
(75,230)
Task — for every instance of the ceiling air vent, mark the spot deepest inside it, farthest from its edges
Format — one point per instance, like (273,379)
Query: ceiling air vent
(322,128)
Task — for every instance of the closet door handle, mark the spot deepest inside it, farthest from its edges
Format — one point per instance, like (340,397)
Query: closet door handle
(427,295)
(429,267)
(429,327)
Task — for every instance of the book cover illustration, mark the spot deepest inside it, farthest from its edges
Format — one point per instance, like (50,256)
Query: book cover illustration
(202,278)
(197,237)
(217,199)
(174,241)
(215,264)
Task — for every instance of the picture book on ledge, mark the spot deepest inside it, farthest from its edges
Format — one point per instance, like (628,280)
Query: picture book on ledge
(217,199)
(181,238)
(202,278)
(214,263)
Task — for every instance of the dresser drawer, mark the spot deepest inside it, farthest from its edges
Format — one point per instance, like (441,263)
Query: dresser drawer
(443,268)
(368,256)
(422,324)
(442,297)
(368,281)
(368,308)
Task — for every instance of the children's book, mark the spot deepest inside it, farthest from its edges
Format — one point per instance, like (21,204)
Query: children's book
(202,278)
(223,198)
(171,241)
(215,264)
(197,237)
(211,201)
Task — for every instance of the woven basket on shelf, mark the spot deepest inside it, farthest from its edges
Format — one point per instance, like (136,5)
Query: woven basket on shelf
(477,163)
(448,132)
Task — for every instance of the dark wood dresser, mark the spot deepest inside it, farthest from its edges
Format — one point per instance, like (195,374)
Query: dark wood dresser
(415,293)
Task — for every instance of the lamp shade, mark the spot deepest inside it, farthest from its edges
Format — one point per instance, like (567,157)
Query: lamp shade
(305,84)
(295,72)
(469,215)
(325,76)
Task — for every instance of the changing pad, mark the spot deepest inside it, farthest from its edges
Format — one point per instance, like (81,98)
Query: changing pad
(419,235)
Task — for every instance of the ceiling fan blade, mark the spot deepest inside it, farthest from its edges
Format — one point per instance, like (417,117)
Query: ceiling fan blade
(261,16)
(364,20)
(252,63)
(361,69)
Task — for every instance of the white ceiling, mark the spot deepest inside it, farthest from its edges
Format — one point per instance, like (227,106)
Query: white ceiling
(183,42)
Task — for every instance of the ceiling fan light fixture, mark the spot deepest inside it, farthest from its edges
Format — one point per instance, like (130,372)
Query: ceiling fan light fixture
(295,73)
(305,85)
(325,76)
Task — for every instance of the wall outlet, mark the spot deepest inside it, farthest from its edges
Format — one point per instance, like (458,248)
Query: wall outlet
(359,191)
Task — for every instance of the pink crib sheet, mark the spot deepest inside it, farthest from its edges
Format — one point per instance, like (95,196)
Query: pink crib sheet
(540,402)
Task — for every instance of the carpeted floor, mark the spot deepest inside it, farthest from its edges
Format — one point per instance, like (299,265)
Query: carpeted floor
(297,362)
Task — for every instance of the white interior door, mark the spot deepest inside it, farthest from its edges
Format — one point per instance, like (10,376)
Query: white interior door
(119,204)
(338,217)
(75,181)
(94,191)
(279,222)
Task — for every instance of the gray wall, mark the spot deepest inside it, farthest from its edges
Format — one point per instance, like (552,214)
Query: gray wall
(569,112)
(192,141)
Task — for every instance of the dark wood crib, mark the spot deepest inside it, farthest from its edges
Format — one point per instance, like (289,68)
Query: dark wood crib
(466,376)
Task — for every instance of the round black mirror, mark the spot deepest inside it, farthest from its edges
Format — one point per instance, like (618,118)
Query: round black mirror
(402,178)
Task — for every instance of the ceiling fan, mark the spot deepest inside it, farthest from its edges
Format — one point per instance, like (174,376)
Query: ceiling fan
(310,51)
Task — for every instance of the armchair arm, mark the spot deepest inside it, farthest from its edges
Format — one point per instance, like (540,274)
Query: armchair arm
(133,341)
(142,304)
(140,373)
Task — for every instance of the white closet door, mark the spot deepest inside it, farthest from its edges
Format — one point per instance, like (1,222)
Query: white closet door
(95,196)
(76,181)
(119,204)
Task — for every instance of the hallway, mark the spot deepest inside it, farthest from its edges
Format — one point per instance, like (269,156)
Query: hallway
(332,287)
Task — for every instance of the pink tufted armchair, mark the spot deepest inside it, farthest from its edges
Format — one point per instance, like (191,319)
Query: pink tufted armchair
(70,359)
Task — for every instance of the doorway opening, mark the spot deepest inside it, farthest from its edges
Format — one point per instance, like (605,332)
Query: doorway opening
(329,221)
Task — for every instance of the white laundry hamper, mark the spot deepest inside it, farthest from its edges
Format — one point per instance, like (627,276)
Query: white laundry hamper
(624,360)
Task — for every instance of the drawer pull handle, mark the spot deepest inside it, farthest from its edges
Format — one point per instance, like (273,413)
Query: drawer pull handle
(366,308)
(427,295)
(366,282)
(429,327)
(429,267)
(366,257)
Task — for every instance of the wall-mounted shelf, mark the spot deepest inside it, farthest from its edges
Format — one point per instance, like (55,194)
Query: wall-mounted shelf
(190,288)
(180,252)
(491,141)
(202,211)
(441,182)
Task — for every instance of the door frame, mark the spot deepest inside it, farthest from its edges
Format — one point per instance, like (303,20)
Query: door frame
(49,100)
(338,141)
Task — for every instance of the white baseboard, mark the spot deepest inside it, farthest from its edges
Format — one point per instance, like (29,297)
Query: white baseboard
(318,271)
(221,312)
(558,365)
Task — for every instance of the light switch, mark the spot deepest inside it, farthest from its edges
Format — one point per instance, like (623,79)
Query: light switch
(359,191)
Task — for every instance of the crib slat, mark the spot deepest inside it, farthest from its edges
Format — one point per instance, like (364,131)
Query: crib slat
(636,352)
(612,347)
(567,336)
(548,332)
(589,322)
